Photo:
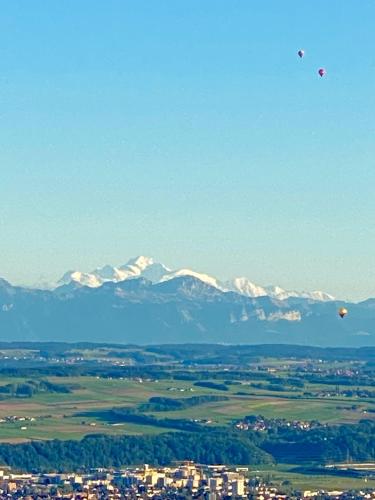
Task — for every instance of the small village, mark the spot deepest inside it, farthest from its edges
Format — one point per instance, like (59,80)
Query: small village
(259,423)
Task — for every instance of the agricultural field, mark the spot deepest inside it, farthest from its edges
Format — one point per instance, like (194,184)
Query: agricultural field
(82,410)
(282,475)
(289,409)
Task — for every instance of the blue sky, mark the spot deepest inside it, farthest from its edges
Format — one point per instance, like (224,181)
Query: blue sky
(192,132)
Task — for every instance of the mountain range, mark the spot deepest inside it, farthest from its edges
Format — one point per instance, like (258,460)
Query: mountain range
(144,302)
(145,267)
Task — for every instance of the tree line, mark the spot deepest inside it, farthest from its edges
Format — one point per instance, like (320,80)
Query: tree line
(319,446)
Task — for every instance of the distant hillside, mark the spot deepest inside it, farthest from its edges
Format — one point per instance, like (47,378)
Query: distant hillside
(183,309)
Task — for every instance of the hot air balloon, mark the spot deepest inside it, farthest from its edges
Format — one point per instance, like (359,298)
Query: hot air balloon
(322,71)
(301,53)
(343,312)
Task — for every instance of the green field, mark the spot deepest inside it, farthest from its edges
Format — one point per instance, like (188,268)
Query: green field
(279,475)
(74,390)
(62,415)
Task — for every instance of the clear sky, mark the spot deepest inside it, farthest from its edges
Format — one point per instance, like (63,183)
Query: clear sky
(189,130)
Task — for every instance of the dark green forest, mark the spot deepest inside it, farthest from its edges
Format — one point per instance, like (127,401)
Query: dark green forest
(319,446)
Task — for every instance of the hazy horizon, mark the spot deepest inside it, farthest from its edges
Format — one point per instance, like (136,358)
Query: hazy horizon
(45,282)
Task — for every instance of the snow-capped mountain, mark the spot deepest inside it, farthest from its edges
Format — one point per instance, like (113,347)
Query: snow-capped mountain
(84,279)
(145,267)
(138,267)
(279,293)
(181,309)
(245,287)
(209,280)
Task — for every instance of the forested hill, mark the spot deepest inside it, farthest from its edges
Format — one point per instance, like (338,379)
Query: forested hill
(321,445)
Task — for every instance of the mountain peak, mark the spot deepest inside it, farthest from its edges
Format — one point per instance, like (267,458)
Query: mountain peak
(205,278)
(178,310)
(142,262)
(145,267)
(84,279)
(245,287)
(189,285)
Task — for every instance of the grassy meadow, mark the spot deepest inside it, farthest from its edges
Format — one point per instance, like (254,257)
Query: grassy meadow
(62,416)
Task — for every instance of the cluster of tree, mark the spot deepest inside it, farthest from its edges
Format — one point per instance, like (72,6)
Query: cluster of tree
(121,415)
(269,387)
(197,354)
(278,385)
(339,380)
(232,382)
(212,385)
(229,375)
(240,354)
(88,369)
(322,444)
(28,388)
(153,372)
(169,404)
(109,451)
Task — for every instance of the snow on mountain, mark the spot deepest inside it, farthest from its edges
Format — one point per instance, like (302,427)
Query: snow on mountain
(145,267)
(141,262)
(109,273)
(276,292)
(279,293)
(245,287)
(317,295)
(84,279)
(209,280)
